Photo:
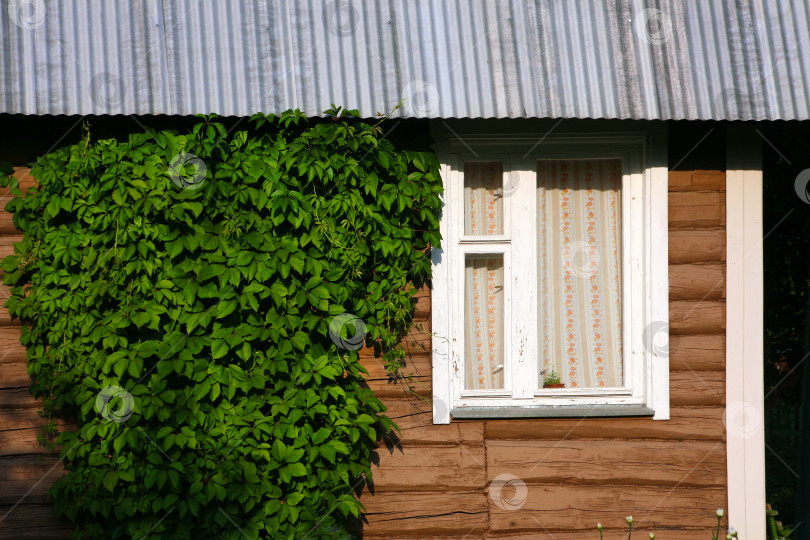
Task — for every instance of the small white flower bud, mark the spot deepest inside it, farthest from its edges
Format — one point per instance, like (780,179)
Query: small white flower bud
(629,519)
(599,526)
(719,512)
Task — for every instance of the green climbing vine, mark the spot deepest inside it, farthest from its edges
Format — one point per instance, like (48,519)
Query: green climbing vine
(194,305)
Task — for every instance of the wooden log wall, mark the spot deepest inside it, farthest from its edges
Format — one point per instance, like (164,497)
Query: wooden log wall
(27,471)
(669,475)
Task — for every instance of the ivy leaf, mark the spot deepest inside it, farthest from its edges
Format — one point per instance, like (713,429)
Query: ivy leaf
(297,469)
(110,480)
(225,308)
(219,349)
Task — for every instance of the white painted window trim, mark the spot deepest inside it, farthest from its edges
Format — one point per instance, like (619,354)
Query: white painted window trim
(745,394)
(646,199)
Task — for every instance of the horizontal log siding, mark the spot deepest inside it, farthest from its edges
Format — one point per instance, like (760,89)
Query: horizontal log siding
(27,471)
(669,475)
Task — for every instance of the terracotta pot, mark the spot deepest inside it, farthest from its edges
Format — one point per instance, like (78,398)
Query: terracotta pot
(556,385)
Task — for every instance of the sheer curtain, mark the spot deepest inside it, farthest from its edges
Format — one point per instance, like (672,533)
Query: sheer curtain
(484,322)
(483,278)
(579,266)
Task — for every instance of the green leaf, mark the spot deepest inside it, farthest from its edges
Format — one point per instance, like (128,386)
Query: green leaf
(110,480)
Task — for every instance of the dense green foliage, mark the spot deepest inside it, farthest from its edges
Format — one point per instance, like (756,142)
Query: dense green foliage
(180,291)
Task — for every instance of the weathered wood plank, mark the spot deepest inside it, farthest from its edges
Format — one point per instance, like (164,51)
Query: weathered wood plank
(425,513)
(23,174)
(33,521)
(615,533)
(14,419)
(696,210)
(418,367)
(20,441)
(429,468)
(28,478)
(17,398)
(698,180)
(567,508)
(697,281)
(414,417)
(686,423)
(7,241)
(700,388)
(13,374)
(416,343)
(596,462)
(697,317)
(5,318)
(416,377)
(11,350)
(697,246)
(697,352)
(6,221)
(708,180)
(421,313)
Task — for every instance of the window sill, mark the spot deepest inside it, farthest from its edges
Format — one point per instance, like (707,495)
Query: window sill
(552,411)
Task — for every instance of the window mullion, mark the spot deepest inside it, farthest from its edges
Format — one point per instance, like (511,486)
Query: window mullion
(521,198)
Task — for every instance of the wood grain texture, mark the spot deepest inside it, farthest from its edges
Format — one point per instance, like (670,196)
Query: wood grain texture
(26,479)
(696,210)
(7,242)
(697,352)
(689,246)
(33,522)
(429,468)
(610,533)
(703,388)
(697,317)
(14,442)
(598,462)
(14,374)
(698,180)
(5,318)
(414,417)
(697,281)
(424,513)
(17,398)
(686,424)
(566,508)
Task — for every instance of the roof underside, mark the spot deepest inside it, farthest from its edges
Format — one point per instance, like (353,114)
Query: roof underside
(642,59)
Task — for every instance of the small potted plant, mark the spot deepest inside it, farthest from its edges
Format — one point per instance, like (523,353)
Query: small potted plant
(552,380)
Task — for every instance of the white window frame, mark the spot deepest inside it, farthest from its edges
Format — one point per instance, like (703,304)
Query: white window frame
(644,275)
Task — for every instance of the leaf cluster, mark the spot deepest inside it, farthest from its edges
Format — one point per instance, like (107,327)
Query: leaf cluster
(197,275)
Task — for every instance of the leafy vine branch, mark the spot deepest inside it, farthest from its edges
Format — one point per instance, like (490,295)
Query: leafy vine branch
(194,304)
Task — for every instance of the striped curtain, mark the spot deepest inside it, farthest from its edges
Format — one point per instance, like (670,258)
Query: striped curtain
(579,271)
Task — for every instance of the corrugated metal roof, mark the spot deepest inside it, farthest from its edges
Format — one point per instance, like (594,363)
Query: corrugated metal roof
(650,59)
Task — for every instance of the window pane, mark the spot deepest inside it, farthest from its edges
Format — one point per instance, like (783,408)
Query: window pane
(579,265)
(483,198)
(484,317)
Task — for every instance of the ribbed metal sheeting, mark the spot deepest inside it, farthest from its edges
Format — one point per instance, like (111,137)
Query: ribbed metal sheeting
(643,59)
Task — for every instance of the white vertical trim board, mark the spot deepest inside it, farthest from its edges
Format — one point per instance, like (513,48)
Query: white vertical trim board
(745,400)
(658,208)
(440,323)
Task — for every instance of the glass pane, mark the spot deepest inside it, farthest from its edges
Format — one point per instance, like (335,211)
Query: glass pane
(483,198)
(484,318)
(579,272)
